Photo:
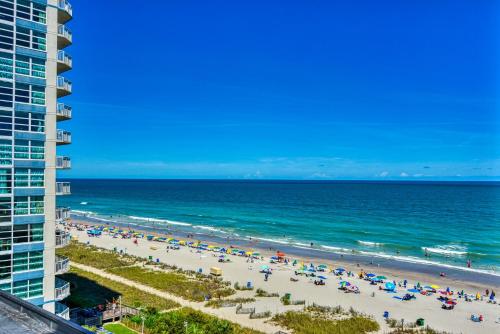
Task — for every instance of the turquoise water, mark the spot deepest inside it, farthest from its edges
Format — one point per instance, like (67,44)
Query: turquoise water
(453,221)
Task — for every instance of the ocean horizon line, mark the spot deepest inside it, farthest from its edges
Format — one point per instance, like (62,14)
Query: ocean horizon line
(287,180)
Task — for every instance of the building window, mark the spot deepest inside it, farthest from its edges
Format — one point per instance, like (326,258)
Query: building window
(27,121)
(6,64)
(30,66)
(6,287)
(5,238)
(28,233)
(30,94)
(27,261)
(5,181)
(28,289)
(5,123)
(7,10)
(6,94)
(31,11)
(6,37)
(28,177)
(5,267)
(31,39)
(5,152)
(29,149)
(28,205)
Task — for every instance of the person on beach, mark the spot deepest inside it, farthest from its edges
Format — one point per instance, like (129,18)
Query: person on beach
(468,263)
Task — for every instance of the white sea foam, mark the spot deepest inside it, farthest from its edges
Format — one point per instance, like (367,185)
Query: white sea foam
(209,228)
(279,241)
(447,250)
(301,244)
(370,243)
(156,220)
(335,249)
(81,212)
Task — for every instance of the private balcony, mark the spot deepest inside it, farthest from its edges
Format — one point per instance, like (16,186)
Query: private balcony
(62,214)
(64,86)
(64,62)
(63,137)
(62,238)
(63,112)
(63,188)
(62,310)
(64,37)
(62,265)
(65,12)
(63,162)
(62,289)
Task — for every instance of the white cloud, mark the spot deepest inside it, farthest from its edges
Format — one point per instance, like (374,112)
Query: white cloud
(384,174)
(403,174)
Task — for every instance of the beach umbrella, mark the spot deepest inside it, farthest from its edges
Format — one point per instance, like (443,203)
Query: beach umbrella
(311,270)
(322,277)
(340,269)
(264,267)
(435,287)
(390,286)
(413,290)
(370,275)
(280,254)
(344,283)
(381,277)
(274,258)
(323,266)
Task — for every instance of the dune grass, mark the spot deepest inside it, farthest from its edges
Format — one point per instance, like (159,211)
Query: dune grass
(324,322)
(190,288)
(95,257)
(88,290)
(185,320)
(218,303)
(118,329)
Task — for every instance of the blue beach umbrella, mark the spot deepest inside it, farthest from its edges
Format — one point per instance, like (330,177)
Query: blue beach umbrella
(344,283)
(322,277)
(390,286)
(370,275)
(340,269)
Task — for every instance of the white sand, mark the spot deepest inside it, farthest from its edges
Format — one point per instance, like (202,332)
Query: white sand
(238,270)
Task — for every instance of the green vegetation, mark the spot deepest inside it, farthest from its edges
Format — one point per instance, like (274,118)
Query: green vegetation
(185,320)
(264,293)
(95,257)
(186,284)
(237,286)
(88,290)
(218,303)
(319,320)
(118,329)
(409,328)
(192,288)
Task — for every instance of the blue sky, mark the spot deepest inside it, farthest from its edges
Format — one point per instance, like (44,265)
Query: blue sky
(306,90)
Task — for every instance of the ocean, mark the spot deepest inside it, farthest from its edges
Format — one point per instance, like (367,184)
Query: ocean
(420,222)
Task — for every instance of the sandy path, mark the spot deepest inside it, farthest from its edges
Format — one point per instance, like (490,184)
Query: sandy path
(223,313)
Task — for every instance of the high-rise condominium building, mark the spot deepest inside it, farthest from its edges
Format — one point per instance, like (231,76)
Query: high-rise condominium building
(33,59)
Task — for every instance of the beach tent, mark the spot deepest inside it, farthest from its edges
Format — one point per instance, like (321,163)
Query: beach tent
(390,286)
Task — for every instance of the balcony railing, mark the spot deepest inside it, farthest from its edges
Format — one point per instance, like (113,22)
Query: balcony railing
(62,264)
(63,137)
(63,112)
(64,37)
(64,86)
(62,289)
(62,310)
(62,214)
(63,188)
(65,11)
(62,238)
(63,162)
(64,61)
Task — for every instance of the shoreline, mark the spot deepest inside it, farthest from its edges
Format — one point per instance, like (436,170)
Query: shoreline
(391,265)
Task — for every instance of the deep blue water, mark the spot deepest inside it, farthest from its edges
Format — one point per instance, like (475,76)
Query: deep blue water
(454,221)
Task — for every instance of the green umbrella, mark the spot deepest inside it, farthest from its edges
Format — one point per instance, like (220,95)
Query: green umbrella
(381,277)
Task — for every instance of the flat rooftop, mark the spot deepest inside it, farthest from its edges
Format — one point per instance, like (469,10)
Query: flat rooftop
(18,316)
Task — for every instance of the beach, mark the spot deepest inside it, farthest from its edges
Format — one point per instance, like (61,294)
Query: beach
(371,300)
